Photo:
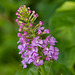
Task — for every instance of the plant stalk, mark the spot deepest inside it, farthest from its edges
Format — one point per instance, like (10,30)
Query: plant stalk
(42,70)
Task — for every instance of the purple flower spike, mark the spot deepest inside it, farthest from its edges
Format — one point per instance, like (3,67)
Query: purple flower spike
(34,46)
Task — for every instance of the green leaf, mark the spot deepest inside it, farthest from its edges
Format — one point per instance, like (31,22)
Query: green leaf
(56,69)
(28,71)
(62,26)
(47,8)
(9,69)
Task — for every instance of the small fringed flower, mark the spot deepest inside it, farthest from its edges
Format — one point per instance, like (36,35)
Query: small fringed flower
(34,47)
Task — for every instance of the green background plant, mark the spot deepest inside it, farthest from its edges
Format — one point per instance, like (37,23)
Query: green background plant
(59,17)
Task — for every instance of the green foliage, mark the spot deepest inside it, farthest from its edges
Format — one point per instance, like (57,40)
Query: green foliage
(29,71)
(56,69)
(59,17)
(63,28)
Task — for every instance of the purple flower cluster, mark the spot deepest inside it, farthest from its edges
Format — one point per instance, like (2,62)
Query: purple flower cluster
(33,47)
(41,31)
(29,51)
(49,50)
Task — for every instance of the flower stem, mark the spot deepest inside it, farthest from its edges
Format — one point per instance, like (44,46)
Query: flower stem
(50,67)
(42,70)
(32,30)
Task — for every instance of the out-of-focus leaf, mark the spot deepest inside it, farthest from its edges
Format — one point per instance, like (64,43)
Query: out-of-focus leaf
(62,26)
(9,69)
(54,68)
(8,42)
(29,71)
(47,8)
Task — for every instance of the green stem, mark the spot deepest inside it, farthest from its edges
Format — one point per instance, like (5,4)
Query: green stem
(50,68)
(32,30)
(42,70)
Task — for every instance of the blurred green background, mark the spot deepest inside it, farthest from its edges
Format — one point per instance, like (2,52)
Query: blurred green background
(59,17)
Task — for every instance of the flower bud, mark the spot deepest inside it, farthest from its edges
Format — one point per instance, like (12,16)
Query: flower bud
(35,15)
(16,20)
(41,23)
(17,13)
(30,11)
(20,29)
(33,11)
(19,34)
(21,13)
(39,31)
(18,23)
(47,31)
(28,7)
(25,33)
(31,24)
(18,16)
(23,24)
